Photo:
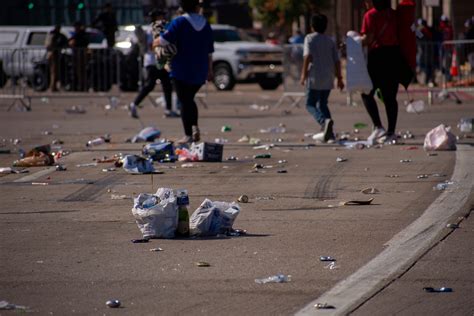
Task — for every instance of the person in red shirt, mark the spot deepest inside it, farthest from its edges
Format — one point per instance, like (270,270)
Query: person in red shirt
(380,35)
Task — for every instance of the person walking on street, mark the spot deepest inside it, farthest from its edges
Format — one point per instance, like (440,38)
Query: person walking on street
(379,33)
(107,23)
(55,42)
(192,64)
(321,63)
(79,42)
(154,71)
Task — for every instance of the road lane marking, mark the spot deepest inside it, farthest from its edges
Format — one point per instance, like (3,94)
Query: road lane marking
(405,248)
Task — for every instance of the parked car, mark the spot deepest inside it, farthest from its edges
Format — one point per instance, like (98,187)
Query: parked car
(237,58)
(23,55)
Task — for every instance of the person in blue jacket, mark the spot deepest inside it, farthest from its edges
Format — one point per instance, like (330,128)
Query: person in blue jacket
(192,64)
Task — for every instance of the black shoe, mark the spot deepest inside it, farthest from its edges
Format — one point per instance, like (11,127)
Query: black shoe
(328,132)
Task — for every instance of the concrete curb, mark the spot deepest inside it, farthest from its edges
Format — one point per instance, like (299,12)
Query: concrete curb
(405,248)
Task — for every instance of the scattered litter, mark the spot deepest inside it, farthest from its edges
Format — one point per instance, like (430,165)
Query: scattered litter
(466,125)
(76,109)
(279,278)
(203,264)
(83,165)
(265,147)
(264,198)
(356,144)
(57,142)
(232,158)
(156,249)
(282,161)
(244,139)
(156,215)
(262,156)
(8,170)
(37,157)
(243,199)
(438,175)
(226,128)
(370,191)
(393,176)
(137,165)
(331,266)
(323,306)
(212,218)
(160,151)
(341,159)
(438,290)
(360,125)
(98,141)
(140,241)
(326,258)
(406,135)
(4,305)
(46,133)
(113,303)
(148,134)
(432,154)
(108,169)
(260,108)
(422,176)
(254,141)
(236,232)
(273,130)
(358,202)
(61,168)
(453,226)
(282,171)
(120,197)
(208,152)
(443,185)
(405,160)
(440,138)
(415,106)
(221,140)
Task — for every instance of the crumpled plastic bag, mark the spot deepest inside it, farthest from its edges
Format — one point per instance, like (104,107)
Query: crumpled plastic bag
(212,218)
(440,138)
(358,78)
(159,151)
(156,214)
(137,165)
(148,134)
(37,157)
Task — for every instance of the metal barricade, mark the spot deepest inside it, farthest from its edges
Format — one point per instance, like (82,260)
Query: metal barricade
(27,73)
(292,65)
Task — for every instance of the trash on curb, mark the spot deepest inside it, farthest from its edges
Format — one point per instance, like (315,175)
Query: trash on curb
(185,154)
(148,134)
(282,171)
(326,258)
(212,218)
(111,169)
(440,138)
(278,278)
(438,290)
(137,165)
(156,214)
(221,140)
(98,141)
(113,303)
(341,159)
(422,176)
(76,109)
(254,141)
(452,225)
(203,264)
(37,157)
(370,191)
(358,202)
(61,168)
(260,108)
(323,306)
(4,305)
(442,186)
(244,139)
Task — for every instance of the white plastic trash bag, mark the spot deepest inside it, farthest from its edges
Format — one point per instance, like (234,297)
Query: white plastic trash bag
(358,78)
(416,106)
(156,214)
(440,138)
(212,218)
(137,165)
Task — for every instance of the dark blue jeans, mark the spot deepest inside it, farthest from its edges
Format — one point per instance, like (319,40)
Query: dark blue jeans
(317,104)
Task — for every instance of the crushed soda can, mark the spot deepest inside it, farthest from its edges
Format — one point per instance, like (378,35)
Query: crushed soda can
(282,171)
(203,264)
(156,249)
(61,168)
(452,226)
(113,303)
(341,159)
(405,160)
(140,241)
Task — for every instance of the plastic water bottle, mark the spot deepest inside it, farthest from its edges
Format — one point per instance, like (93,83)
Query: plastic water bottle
(465,125)
(95,142)
(279,278)
(150,202)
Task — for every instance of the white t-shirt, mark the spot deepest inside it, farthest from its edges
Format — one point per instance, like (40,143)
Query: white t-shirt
(150,58)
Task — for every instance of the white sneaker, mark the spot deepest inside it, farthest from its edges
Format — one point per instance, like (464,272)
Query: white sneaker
(319,137)
(376,134)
